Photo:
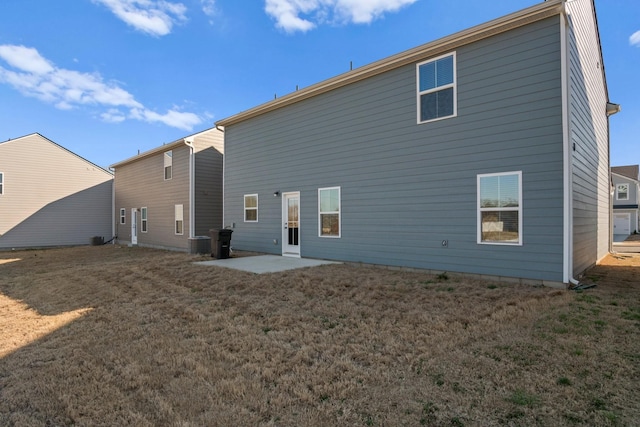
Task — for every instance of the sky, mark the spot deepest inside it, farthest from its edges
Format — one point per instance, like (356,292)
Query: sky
(106,78)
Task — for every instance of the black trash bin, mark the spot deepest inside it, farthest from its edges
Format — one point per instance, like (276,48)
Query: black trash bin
(220,243)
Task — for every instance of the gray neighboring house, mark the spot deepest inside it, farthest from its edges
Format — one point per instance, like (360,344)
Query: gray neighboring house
(625,199)
(484,152)
(50,196)
(172,194)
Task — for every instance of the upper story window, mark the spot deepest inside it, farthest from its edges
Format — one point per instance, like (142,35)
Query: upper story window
(329,212)
(500,208)
(622,192)
(1,183)
(168,165)
(437,97)
(251,208)
(123,216)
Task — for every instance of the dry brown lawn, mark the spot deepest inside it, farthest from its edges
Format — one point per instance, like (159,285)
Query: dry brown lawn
(120,336)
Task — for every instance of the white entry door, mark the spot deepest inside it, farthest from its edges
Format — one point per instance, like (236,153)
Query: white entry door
(134,226)
(622,223)
(291,224)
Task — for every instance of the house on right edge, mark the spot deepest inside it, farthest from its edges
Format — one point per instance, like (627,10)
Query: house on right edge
(485,152)
(626,183)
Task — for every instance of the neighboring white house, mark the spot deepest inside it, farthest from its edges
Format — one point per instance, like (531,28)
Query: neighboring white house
(50,196)
(625,199)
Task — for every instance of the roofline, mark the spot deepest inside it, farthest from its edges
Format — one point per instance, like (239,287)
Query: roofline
(61,147)
(161,149)
(625,177)
(165,147)
(445,44)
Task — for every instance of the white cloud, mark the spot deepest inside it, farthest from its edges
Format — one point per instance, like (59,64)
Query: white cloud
(209,7)
(154,17)
(635,39)
(25,58)
(286,13)
(113,115)
(173,118)
(35,76)
(304,15)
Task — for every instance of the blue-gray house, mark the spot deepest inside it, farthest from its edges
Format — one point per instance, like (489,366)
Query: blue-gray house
(484,152)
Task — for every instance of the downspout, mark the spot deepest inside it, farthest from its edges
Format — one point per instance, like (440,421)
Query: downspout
(224,167)
(192,170)
(567,276)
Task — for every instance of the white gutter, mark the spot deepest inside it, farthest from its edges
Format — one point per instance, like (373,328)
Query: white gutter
(192,170)
(567,223)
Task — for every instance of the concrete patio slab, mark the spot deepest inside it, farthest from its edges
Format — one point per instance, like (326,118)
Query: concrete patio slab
(266,263)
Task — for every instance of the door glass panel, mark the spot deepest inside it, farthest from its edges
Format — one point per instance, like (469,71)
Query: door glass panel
(292,221)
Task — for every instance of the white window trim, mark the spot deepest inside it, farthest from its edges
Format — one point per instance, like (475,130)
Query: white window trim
(167,163)
(332,213)
(178,216)
(480,210)
(123,216)
(454,85)
(618,193)
(2,183)
(144,222)
(244,212)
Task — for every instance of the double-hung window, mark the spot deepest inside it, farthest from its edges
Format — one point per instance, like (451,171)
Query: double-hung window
(1,183)
(143,220)
(251,208)
(179,219)
(437,88)
(329,212)
(622,192)
(123,216)
(500,208)
(168,165)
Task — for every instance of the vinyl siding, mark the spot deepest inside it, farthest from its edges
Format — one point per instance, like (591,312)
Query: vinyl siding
(633,190)
(52,197)
(141,184)
(589,133)
(406,187)
(208,181)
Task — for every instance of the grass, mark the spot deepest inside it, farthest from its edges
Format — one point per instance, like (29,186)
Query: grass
(129,336)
